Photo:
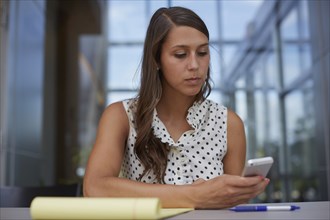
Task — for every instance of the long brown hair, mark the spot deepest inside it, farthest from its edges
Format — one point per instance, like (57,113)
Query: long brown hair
(151,152)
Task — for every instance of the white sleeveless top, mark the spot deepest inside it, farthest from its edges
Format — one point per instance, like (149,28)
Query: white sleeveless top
(197,154)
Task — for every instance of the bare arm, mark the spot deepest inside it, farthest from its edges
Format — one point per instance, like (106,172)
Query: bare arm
(101,178)
(236,145)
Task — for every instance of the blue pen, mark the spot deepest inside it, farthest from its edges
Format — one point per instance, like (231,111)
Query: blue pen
(263,208)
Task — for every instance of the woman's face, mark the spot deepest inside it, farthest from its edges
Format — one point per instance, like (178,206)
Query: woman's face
(184,61)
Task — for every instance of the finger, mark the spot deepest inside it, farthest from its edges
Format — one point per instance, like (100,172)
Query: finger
(251,192)
(239,181)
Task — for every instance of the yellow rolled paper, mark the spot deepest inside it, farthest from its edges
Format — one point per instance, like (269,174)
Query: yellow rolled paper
(95,208)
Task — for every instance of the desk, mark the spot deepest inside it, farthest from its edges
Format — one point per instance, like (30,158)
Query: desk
(309,210)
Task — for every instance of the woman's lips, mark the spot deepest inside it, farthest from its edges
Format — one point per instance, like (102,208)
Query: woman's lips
(193,81)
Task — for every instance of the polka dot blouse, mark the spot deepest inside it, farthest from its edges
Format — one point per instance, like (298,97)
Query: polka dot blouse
(197,154)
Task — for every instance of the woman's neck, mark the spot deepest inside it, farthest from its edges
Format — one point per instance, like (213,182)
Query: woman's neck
(174,107)
(172,111)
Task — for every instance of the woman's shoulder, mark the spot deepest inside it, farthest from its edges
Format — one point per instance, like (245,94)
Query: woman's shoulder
(114,119)
(234,119)
(124,110)
(121,105)
(115,109)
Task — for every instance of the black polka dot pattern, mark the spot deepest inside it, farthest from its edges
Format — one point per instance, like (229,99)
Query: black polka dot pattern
(197,154)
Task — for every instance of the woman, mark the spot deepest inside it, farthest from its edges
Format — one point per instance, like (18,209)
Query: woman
(170,141)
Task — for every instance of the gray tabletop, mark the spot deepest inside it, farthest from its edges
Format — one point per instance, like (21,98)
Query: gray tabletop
(309,210)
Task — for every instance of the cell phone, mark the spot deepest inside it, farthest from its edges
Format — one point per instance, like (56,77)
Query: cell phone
(258,166)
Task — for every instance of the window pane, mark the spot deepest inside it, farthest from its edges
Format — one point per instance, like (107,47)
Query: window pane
(207,10)
(119,96)
(236,15)
(271,69)
(121,28)
(23,154)
(289,28)
(154,5)
(26,65)
(241,108)
(215,96)
(295,44)
(303,163)
(260,123)
(240,83)
(291,67)
(124,67)
(299,113)
(215,65)
(227,54)
(274,118)
(259,75)
(304,17)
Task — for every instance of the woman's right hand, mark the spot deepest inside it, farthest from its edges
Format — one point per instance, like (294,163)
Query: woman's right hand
(227,191)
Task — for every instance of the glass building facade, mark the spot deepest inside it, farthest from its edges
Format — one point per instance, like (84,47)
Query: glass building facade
(261,66)
(269,63)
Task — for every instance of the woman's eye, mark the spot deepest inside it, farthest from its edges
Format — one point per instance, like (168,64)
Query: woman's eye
(180,55)
(203,53)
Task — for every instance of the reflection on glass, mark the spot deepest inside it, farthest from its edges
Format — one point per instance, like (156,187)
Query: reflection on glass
(295,44)
(124,66)
(300,126)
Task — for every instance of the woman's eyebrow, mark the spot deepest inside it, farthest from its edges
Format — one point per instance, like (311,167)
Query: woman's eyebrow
(186,46)
(202,45)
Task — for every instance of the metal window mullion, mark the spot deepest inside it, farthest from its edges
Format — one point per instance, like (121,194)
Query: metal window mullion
(283,151)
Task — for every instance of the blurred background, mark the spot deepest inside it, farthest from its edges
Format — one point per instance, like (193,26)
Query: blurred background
(63,61)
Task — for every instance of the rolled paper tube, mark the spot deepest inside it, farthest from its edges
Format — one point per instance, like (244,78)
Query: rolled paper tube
(47,208)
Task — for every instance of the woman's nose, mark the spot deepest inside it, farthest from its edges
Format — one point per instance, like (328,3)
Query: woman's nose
(193,62)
